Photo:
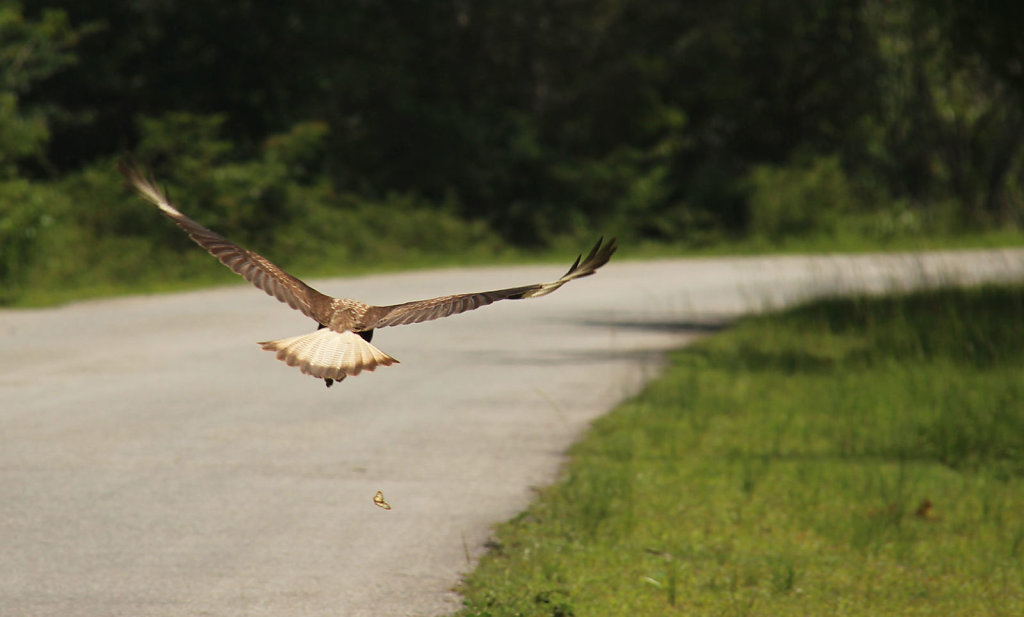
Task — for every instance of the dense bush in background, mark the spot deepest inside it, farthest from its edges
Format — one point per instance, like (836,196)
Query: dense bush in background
(362,129)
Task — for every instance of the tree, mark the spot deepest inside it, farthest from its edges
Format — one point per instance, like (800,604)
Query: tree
(30,50)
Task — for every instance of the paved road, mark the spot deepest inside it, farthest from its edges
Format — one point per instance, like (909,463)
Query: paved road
(154,461)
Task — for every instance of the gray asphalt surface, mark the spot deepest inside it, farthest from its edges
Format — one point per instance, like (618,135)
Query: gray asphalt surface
(154,461)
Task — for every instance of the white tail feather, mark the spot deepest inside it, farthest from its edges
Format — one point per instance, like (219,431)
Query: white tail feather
(328,354)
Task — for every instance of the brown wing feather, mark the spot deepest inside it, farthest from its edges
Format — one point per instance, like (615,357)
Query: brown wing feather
(445,306)
(251,266)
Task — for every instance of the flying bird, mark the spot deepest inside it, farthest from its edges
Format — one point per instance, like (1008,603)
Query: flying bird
(340,346)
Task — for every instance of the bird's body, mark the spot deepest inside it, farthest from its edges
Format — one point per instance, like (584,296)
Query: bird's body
(341,344)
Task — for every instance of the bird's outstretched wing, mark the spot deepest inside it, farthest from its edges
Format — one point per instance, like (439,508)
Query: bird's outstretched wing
(251,266)
(445,306)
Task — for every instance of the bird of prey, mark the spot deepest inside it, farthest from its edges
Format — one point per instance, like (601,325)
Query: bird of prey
(341,346)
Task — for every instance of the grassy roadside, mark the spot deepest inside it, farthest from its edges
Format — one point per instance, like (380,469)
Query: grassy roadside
(162,271)
(850,457)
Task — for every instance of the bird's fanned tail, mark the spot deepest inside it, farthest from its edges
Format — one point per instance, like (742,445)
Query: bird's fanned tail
(328,354)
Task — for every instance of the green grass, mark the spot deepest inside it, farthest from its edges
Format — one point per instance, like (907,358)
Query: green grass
(827,243)
(63,261)
(197,270)
(155,271)
(786,467)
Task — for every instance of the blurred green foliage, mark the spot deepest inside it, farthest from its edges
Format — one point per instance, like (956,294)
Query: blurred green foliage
(798,200)
(687,124)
